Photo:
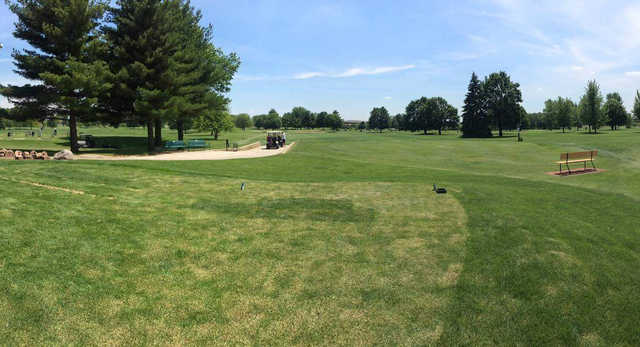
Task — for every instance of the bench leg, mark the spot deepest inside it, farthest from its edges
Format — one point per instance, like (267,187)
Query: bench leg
(593,164)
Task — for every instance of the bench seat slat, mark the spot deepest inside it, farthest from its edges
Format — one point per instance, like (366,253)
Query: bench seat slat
(573,161)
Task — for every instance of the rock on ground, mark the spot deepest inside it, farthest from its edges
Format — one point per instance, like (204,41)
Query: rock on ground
(63,155)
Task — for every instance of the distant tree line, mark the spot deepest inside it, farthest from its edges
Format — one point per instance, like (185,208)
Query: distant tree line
(136,62)
(299,118)
(593,111)
(423,114)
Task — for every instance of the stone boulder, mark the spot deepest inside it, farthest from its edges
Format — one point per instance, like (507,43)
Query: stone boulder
(63,155)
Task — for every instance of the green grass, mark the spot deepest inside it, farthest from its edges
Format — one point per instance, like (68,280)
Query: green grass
(341,241)
(121,141)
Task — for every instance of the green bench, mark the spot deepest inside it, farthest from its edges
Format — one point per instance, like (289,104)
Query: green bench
(174,145)
(197,144)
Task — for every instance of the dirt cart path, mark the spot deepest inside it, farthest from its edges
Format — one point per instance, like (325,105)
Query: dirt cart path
(196,155)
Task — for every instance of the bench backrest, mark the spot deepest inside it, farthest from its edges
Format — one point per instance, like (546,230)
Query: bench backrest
(197,143)
(578,155)
(174,143)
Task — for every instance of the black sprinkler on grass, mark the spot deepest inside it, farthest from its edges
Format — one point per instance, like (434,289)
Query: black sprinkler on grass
(439,190)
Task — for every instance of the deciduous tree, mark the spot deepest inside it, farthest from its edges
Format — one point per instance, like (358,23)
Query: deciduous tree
(502,99)
(636,107)
(243,121)
(590,107)
(379,118)
(216,122)
(614,111)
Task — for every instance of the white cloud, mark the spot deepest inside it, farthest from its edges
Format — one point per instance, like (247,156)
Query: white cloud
(373,71)
(388,98)
(307,75)
(357,71)
(632,73)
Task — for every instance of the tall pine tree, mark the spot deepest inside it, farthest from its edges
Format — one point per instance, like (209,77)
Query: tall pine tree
(475,119)
(68,77)
(166,67)
(140,46)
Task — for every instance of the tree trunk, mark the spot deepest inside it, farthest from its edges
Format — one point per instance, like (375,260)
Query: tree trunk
(73,133)
(158,134)
(440,131)
(150,136)
(215,135)
(425,131)
(500,127)
(180,126)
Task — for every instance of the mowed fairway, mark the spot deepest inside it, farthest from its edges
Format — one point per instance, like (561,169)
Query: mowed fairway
(340,241)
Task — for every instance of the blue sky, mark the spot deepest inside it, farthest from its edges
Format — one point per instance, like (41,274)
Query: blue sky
(356,55)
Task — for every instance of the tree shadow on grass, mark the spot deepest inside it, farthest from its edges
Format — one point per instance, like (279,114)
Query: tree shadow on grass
(122,145)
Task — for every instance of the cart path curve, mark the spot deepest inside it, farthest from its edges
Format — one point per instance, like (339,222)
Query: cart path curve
(260,152)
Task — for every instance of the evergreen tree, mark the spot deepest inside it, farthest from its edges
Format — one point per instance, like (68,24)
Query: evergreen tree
(474,113)
(167,69)
(140,52)
(69,78)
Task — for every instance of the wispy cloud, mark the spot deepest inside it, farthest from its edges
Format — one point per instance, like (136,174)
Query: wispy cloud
(5,60)
(632,73)
(373,71)
(353,72)
(307,75)
(388,98)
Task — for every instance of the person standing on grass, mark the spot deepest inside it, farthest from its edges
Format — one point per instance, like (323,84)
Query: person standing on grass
(284,139)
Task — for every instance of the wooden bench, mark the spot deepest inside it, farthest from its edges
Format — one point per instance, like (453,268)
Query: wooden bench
(577,157)
(174,145)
